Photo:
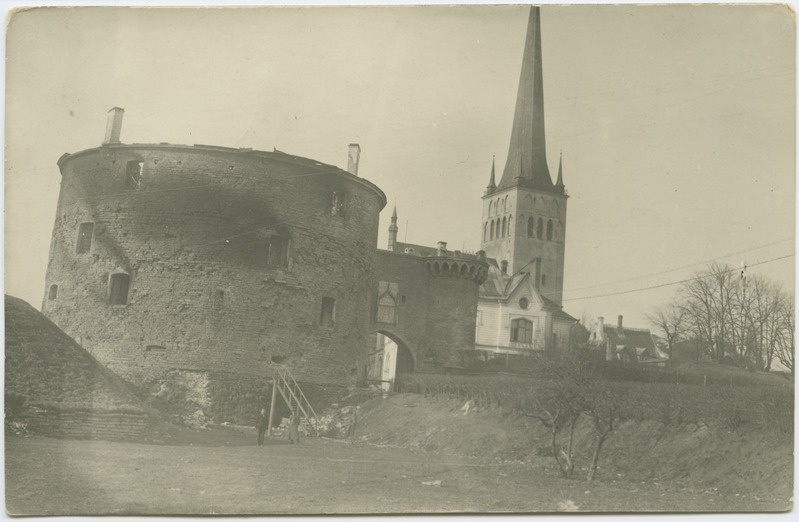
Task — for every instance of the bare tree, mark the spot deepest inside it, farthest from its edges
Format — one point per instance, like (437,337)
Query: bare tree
(670,321)
(785,341)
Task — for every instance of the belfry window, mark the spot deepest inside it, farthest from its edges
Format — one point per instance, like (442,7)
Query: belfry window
(327,314)
(277,253)
(521,331)
(504,225)
(549,230)
(53,292)
(120,283)
(531,227)
(85,232)
(539,232)
(492,229)
(133,174)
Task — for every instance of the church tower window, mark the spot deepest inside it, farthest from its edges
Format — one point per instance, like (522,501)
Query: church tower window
(85,232)
(133,174)
(492,229)
(53,293)
(549,230)
(539,230)
(504,223)
(531,226)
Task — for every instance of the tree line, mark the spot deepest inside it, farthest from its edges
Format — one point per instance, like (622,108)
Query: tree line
(731,317)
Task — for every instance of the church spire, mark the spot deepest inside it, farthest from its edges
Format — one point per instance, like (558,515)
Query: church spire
(559,184)
(492,185)
(526,164)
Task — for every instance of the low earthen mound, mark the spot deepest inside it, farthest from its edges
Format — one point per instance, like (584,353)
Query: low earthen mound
(48,371)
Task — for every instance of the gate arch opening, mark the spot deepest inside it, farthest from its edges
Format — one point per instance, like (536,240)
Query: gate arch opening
(390,359)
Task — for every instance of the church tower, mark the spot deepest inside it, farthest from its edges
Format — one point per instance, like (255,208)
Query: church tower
(524,215)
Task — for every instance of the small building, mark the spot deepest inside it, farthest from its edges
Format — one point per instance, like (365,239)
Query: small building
(620,343)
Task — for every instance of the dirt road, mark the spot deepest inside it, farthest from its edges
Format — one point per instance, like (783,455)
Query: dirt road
(52,476)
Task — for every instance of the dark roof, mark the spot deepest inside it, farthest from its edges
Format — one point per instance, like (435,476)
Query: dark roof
(418,250)
(632,338)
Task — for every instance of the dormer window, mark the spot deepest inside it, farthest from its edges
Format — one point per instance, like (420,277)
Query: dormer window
(524,303)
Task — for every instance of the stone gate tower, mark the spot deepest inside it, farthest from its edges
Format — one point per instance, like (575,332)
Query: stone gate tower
(524,216)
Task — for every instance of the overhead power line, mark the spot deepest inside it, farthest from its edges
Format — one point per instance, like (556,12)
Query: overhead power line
(676,282)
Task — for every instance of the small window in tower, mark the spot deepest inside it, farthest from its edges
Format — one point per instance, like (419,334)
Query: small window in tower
(539,232)
(492,229)
(133,174)
(327,315)
(277,251)
(85,233)
(120,283)
(531,227)
(549,230)
(504,224)
(510,225)
(53,292)
(485,232)
(338,203)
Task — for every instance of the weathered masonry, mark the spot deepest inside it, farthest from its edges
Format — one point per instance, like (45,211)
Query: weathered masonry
(204,258)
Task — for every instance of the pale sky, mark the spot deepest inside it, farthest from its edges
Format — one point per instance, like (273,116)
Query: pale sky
(677,123)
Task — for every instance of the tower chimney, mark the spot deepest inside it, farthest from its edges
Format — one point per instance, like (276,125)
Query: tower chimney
(353,158)
(621,317)
(113,127)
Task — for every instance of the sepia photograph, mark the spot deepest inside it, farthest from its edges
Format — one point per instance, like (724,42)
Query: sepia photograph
(314,260)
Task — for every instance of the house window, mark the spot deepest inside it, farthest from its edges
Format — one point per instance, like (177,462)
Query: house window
(521,331)
(120,283)
(85,232)
(277,251)
(53,293)
(524,303)
(549,230)
(338,202)
(133,174)
(328,312)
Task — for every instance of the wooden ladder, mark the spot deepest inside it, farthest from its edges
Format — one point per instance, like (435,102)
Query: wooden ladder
(283,382)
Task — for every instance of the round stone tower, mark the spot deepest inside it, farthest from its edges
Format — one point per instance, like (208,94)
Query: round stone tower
(203,258)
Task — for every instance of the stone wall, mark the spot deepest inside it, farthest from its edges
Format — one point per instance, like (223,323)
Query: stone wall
(86,424)
(193,236)
(435,313)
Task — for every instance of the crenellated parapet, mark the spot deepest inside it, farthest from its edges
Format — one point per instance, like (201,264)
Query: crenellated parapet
(449,266)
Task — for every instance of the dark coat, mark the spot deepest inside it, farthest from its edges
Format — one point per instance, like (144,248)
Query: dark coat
(262,423)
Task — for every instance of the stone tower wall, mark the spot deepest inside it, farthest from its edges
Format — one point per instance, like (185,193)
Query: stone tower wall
(193,238)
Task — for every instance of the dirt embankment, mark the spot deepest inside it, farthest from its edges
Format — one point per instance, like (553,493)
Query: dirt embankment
(749,461)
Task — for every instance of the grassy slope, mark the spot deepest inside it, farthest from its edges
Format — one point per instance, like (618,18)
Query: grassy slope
(751,462)
(50,369)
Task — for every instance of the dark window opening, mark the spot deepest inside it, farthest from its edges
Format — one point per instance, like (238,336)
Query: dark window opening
(219,298)
(531,227)
(492,229)
(543,280)
(277,251)
(504,225)
(338,203)
(154,348)
(85,232)
(327,315)
(539,232)
(53,293)
(549,230)
(524,303)
(402,298)
(119,289)
(133,174)
(521,331)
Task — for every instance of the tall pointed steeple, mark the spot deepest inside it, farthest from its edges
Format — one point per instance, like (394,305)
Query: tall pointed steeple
(526,164)
(492,184)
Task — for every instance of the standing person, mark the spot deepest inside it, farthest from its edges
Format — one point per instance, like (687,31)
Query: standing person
(294,428)
(261,425)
